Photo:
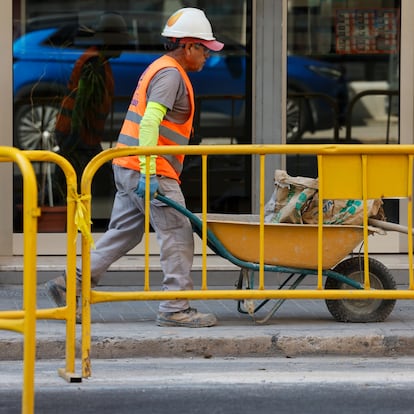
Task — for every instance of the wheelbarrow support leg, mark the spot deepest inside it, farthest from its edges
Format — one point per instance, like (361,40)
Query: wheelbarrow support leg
(279,302)
(247,304)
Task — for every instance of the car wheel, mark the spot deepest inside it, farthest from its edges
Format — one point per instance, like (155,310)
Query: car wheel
(34,126)
(297,116)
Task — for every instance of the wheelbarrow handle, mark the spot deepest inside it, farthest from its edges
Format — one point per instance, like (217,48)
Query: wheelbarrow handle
(212,241)
(171,203)
(385,225)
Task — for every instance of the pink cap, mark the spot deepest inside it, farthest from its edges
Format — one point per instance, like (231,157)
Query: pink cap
(213,45)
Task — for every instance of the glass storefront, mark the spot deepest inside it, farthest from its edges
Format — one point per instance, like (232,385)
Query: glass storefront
(350,51)
(342,84)
(362,38)
(51,36)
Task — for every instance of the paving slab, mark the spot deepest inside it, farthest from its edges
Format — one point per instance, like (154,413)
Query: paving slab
(300,327)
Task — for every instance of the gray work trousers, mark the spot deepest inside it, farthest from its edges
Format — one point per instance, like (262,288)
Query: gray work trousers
(126,229)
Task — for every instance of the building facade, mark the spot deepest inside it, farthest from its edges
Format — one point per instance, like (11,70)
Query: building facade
(310,71)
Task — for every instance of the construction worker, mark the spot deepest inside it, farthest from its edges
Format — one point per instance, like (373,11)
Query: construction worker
(160,113)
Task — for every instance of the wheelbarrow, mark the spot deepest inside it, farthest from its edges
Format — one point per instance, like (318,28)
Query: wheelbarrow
(291,250)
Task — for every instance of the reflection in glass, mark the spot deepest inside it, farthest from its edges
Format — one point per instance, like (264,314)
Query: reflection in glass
(54,35)
(362,40)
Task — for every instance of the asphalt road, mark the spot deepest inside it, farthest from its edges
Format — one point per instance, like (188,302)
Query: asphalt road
(229,385)
(235,398)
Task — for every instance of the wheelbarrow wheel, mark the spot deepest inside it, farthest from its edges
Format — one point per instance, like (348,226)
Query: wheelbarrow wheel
(363,310)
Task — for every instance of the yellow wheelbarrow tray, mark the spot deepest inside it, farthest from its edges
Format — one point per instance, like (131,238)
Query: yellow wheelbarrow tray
(292,249)
(287,245)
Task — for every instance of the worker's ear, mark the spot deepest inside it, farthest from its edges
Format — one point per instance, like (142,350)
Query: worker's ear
(187,48)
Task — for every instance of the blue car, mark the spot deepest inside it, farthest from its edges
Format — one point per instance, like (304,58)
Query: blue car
(44,59)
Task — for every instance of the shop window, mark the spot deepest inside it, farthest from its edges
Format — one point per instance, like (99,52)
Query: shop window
(349,88)
(53,35)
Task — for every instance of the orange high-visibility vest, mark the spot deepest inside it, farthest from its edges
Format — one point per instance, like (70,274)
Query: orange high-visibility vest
(169,133)
(91,130)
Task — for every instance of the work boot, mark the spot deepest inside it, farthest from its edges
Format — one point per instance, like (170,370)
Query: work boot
(189,318)
(56,290)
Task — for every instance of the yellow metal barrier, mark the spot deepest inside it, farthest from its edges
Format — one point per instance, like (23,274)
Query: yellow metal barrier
(74,209)
(25,322)
(67,313)
(345,171)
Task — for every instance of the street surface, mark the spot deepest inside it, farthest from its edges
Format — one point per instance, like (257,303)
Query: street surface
(221,385)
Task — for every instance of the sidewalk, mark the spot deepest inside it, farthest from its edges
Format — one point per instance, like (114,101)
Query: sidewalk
(300,327)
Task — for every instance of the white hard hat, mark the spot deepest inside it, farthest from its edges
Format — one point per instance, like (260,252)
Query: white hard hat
(190,22)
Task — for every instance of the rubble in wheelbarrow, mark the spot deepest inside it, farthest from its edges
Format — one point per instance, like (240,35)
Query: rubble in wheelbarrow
(295,200)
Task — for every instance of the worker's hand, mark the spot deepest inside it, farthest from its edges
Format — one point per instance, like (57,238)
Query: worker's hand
(141,186)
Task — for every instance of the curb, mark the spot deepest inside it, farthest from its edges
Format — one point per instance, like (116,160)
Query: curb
(104,347)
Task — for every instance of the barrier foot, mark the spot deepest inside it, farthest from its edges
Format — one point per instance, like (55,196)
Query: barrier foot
(69,376)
